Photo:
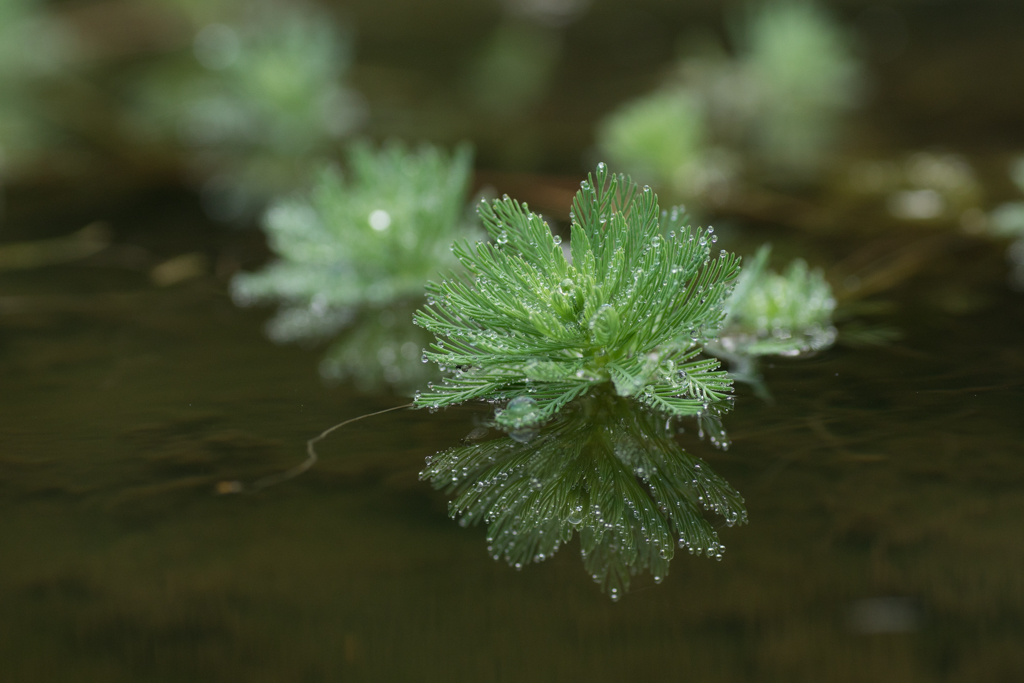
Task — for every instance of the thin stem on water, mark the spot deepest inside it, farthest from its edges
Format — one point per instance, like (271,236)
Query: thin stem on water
(226,487)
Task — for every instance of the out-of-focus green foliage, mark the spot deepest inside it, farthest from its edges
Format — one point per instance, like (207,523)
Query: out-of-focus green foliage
(632,308)
(777,314)
(1007,220)
(514,69)
(372,240)
(773,110)
(369,243)
(551,13)
(924,187)
(32,49)
(805,77)
(661,136)
(604,469)
(259,104)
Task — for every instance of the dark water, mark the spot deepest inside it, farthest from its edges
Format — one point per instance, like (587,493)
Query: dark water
(884,485)
(885,489)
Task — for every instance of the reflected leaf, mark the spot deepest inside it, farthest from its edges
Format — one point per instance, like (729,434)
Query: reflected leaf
(382,349)
(605,469)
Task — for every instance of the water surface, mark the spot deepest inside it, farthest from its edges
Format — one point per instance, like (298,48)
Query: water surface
(885,489)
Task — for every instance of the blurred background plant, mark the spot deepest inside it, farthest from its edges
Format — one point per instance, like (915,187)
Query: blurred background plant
(257,103)
(1007,221)
(769,112)
(513,70)
(605,469)
(774,314)
(362,251)
(34,52)
(928,188)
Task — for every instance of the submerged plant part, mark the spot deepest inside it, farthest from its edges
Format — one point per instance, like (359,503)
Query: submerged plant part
(777,314)
(631,308)
(604,469)
(365,247)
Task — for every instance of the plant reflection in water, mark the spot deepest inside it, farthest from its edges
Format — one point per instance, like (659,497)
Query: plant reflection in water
(604,468)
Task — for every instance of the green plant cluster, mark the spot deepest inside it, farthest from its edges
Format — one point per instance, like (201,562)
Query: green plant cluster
(603,469)
(663,137)
(629,303)
(1007,220)
(352,248)
(33,49)
(259,104)
(772,109)
(777,314)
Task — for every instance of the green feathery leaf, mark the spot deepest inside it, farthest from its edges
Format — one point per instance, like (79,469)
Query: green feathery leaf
(786,314)
(353,248)
(630,304)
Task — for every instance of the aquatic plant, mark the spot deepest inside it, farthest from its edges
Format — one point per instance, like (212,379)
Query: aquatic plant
(929,186)
(805,77)
(604,469)
(777,314)
(772,109)
(1007,220)
(259,104)
(366,244)
(32,49)
(629,303)
(514,72)
(662,137)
